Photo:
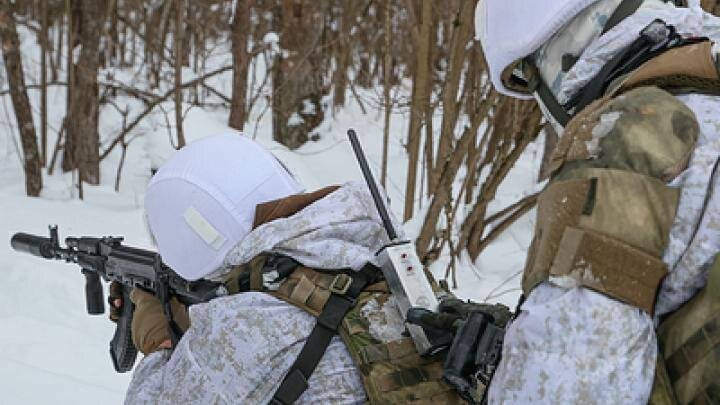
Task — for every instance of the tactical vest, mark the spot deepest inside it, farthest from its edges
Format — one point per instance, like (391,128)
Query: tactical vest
(603,222)
(392,372)
(604,219)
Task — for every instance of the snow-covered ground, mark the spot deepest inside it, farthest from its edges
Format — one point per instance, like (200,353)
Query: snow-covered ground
(51,351)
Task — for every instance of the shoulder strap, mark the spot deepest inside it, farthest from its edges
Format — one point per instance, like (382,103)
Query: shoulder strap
(328,322)
(624,10)
(655,39)
(537,85)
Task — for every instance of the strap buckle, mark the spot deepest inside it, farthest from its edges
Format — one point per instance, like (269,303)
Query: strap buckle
(340,284)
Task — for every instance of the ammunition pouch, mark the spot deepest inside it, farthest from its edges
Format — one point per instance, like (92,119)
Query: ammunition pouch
(689,341)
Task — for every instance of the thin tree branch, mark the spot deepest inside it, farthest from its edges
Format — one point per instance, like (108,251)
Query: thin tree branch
(155,103)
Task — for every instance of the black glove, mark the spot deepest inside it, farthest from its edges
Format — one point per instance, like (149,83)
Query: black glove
(440,327)
(472,334)
(500,313)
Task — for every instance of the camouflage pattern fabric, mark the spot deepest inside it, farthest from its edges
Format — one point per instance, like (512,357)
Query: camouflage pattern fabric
(571,345)
(691,22)
(340,231)
(392,371)
(646,131)
(237,351)
(690,344)
(662,391)
(571,41)
(238,348)
(611,163)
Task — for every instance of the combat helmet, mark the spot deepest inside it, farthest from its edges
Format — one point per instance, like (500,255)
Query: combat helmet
(201,202)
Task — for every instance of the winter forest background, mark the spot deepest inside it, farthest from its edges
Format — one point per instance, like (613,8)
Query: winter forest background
(96,94)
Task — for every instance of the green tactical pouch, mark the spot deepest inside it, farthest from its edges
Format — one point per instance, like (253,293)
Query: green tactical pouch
(713,284)
(690,345)
(662,391)
(606,229)
(393,372)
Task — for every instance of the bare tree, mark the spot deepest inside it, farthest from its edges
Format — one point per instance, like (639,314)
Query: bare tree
(241,61)
(83,147)
(178,41)
(323,44)
(43,80)
(21,103)
(420,96)
(461,35)
(298,74)
(114,49)
(69,161)
(344,51)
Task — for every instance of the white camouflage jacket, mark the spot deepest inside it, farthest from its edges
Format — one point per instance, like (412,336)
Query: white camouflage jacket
(238,348)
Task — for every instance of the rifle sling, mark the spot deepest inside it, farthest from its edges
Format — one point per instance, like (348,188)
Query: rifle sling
(624,10)
(296,380)
(174,330)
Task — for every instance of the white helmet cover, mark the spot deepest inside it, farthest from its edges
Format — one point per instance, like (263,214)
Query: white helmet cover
(510,30)
(201,202)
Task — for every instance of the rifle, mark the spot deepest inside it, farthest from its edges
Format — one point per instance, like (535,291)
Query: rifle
(108,259)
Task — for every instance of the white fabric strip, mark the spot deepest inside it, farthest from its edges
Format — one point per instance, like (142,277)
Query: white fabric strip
(203,228)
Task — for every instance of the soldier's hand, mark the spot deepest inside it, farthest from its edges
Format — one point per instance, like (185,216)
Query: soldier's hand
(115,300)
(149,327)
(452,311)
(441,326)
(499,313)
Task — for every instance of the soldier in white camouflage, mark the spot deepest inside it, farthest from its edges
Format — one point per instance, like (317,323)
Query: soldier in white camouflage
(629,224)
(307,319)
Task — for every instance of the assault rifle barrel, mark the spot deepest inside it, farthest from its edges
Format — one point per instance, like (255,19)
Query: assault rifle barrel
(33,244)
(382,209)
(108,259)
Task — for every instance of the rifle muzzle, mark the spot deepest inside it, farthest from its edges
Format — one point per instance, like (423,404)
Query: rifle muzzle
(33,244)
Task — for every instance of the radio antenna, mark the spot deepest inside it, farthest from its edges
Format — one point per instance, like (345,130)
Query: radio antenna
(379,203)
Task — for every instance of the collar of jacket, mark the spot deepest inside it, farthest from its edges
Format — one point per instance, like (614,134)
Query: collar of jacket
(288,206)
